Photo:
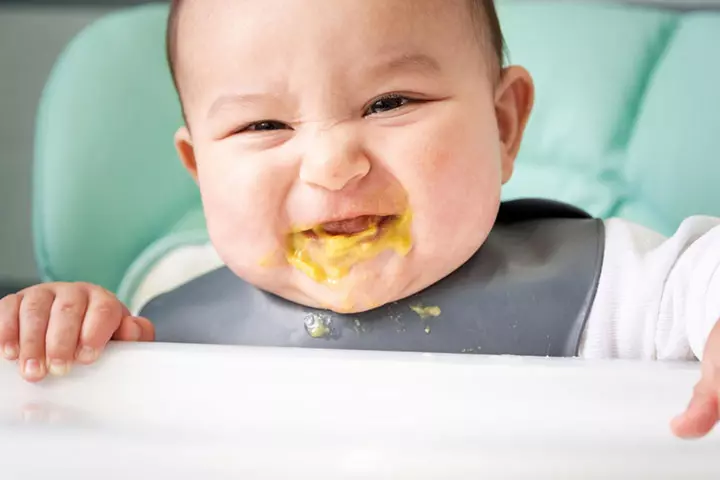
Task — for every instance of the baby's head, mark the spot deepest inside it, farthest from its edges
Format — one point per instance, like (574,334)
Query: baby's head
(348,153)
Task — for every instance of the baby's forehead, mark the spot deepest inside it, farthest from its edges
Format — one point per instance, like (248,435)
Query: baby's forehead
(207,37)
(208,13)
(192,18)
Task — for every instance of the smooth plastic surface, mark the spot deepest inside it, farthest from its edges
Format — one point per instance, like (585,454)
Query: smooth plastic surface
(188,412)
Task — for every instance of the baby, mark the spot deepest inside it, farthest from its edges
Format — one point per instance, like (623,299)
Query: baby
(350,154)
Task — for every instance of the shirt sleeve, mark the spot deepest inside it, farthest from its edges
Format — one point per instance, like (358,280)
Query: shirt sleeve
(657,298)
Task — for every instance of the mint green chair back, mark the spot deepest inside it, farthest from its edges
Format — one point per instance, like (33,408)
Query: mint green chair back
(107,181)
(626,120)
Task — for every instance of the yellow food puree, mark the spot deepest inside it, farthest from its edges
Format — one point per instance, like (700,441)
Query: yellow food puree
(328,258)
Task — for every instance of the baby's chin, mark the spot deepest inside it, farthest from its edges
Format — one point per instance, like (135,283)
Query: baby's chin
(352,295)
(368,285)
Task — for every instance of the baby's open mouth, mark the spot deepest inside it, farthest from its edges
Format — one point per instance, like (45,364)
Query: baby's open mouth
(351,226)
(328,251)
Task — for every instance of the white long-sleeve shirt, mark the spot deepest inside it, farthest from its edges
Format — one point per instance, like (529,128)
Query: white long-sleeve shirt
(657,298)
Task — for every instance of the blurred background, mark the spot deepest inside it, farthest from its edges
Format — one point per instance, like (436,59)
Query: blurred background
(32,35)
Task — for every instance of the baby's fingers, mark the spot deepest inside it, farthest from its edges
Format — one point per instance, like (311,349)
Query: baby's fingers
(66,317)
(701,415)
(102,319)
(9,330)
(33,322)
(135,329)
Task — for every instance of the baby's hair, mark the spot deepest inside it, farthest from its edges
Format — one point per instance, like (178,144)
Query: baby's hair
(483,11)
(490,32)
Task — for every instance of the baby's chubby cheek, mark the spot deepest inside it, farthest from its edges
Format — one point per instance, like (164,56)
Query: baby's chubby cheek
(455,194)
(243,212)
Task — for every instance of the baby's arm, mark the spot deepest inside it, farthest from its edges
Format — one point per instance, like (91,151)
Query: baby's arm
(49,327)
(659,298)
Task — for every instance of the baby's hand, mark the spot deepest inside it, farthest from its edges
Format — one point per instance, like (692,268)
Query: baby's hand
(704,410)
(49,327)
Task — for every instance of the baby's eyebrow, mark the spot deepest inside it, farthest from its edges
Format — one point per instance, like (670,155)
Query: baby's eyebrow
(419,62)
(249,99)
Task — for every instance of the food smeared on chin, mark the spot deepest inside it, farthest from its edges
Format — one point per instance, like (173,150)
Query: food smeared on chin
(327,252)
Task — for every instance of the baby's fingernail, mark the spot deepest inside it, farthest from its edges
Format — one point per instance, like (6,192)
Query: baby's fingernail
(33,368)
(87,355)
(10,351)
(59,368)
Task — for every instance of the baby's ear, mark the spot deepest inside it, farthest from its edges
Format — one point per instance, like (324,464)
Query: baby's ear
(514,99)
(185,150)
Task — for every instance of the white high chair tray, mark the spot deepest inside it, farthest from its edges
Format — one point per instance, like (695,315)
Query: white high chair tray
(200,412)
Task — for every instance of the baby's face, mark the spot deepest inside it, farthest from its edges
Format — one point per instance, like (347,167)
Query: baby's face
(349,153)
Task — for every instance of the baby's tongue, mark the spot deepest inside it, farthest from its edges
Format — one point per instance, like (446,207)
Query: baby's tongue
(350,226)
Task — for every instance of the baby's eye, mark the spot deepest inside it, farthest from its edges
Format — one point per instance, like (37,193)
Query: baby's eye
(387,103)
(265,126)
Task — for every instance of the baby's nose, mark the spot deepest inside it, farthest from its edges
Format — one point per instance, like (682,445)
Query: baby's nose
(334,159)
